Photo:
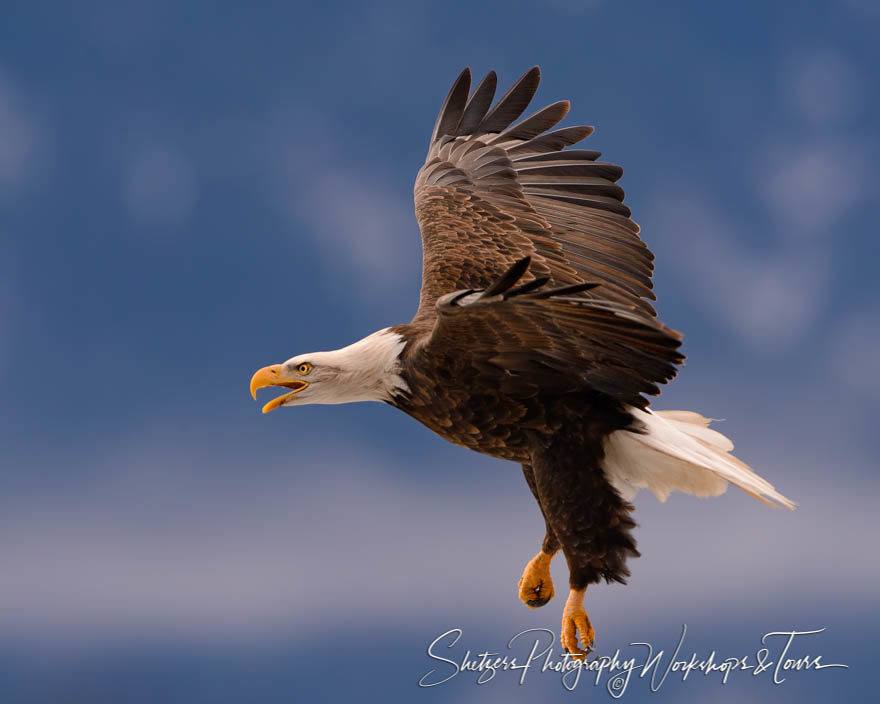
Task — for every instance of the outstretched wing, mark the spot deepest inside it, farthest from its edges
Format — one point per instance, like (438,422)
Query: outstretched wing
(491,193)
(533,337)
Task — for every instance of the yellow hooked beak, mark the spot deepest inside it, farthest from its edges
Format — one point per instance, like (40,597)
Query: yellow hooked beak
(274,376)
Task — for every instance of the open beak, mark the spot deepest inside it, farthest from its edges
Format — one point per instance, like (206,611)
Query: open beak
(274,376)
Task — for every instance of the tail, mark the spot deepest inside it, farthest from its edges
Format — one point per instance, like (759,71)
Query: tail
(676,450)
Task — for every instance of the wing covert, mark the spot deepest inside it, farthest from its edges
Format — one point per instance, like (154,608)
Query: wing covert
(533,338)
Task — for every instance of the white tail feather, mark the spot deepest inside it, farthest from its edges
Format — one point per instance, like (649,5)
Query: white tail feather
(676,450)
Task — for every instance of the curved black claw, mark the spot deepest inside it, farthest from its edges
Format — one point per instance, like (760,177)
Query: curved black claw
(540,601)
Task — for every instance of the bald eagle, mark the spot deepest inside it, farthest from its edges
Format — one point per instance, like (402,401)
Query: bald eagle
(535,340)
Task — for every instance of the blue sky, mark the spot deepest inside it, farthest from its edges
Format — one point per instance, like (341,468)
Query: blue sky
(189,193)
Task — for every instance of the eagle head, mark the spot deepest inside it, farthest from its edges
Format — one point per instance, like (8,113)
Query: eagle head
(368,370)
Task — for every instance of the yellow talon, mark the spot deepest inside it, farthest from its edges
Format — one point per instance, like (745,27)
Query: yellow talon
(535,585)
(575,621)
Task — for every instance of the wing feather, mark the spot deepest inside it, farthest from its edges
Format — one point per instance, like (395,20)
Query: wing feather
(569,342)
(535,124)
(478,104)
(512,104)
(552,141)
(453,107)
(493,190)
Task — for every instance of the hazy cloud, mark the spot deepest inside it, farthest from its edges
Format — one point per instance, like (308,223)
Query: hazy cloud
(161,547)
(160,188)
(808,184)
(769,297)
(813,186)
(824,87)
(855,354)
(19,137)
(813,175)
(356,219)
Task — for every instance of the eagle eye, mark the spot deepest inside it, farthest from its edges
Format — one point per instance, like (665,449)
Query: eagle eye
(304,368)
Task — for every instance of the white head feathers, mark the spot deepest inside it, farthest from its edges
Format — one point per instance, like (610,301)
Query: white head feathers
(367,370)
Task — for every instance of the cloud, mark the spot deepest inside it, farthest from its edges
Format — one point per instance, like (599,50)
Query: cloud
(20,137)
(171,541)
(853,354)
(805,187)
(824,87)
(767,297)
(811,175)
(160,187)
(812,187)
(348,208)
(355,219)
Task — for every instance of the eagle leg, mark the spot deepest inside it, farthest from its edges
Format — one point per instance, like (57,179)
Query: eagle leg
(575,621)
(536,584)
(588,517)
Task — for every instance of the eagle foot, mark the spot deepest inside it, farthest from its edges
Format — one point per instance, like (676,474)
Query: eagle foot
(575,621)
(535,585)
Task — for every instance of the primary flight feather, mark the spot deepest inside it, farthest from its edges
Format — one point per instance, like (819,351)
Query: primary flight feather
(535,340)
